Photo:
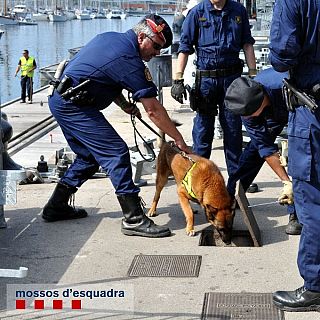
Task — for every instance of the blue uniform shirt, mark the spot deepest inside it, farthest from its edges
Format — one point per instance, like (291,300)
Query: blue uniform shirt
(274,117)
(112,61)
(287,50)
(216,35)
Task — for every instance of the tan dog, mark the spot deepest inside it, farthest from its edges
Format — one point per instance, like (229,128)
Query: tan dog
(206,183)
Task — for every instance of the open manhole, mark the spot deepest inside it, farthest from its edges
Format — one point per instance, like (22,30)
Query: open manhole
(211,237)
(246,306)
(165,266)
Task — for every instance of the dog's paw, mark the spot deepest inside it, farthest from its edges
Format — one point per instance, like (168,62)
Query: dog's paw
(152,213)
(190,233)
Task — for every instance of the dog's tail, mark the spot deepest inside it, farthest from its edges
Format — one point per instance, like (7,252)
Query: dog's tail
(162,134)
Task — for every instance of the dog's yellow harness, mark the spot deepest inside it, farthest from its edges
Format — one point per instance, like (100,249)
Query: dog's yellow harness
(187,183)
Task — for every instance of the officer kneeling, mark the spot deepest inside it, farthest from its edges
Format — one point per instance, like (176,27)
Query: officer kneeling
(264,114)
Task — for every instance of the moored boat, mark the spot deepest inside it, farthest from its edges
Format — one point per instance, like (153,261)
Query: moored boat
(20,11)
(83,14)
(39,16)
(57,16)
(27,21)
(116,14)
(8,20)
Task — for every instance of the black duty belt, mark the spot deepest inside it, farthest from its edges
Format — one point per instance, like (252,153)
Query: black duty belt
(218,73)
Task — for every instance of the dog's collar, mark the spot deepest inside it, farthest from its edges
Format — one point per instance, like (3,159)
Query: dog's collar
(187,183)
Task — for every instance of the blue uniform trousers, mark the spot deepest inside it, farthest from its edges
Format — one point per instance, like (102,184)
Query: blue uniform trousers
(304,167)
(96,143)
(203,126)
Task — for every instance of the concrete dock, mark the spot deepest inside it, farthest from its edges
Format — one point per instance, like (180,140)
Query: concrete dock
(92,254)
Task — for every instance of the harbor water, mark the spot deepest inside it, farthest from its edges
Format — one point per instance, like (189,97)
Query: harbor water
(49,43)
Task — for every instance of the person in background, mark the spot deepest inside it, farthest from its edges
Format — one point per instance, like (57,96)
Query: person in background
(90,82)
(295,47)
(216,30)
(264,114)
(27,65)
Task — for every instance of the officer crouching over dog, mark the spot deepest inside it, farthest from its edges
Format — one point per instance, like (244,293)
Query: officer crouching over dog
(90,82)
(264,114)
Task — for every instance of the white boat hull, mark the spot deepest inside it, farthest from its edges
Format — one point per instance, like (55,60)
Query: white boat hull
(116,16)
(57,18)
(83,16)
(40,17)
(7,20)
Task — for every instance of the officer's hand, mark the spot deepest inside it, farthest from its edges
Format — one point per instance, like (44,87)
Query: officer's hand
(286,196)
(134,110)
(252,73)
(182,146)
(178,90)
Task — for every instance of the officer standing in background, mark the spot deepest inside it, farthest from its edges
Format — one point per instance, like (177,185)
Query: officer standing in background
(27,65)
(264,114)
(91,81)
(295,46)
(217,30)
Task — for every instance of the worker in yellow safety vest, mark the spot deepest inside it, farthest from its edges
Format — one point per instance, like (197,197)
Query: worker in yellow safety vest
(26,64)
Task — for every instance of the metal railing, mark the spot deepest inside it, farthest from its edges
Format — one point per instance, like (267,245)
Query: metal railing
(30,135)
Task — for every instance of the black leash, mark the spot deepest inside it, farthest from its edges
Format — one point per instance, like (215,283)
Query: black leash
(135,130)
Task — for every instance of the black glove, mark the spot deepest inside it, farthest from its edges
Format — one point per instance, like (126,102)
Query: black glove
(178,90)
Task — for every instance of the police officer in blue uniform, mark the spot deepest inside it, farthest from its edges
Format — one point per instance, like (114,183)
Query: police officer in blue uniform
(91,81)
(264,114)
(295,46)
(216,30)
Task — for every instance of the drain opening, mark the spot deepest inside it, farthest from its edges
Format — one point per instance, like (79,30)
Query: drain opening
(211,237)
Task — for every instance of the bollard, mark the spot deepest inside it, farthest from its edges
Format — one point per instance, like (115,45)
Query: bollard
(10,172)
(161,71)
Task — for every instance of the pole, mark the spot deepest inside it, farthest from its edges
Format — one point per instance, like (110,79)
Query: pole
(3,223)
(159,84)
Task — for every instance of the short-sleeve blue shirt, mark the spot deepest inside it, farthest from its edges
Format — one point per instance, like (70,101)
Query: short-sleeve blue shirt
(216,35)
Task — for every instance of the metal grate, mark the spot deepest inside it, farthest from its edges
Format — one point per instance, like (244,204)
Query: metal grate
(247,306)
(165,266)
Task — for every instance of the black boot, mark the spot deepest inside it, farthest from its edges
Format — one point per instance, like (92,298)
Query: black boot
(135,222)
(58,208)
(253,188)
(293,227)
(301,299)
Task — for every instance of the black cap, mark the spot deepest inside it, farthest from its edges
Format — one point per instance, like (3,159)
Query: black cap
(161,27)
(244,96)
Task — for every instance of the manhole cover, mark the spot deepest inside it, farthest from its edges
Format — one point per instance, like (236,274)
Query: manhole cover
(247,306)
(165,266)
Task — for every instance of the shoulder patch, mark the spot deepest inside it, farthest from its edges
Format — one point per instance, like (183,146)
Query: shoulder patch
(238,19)
(147,74)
